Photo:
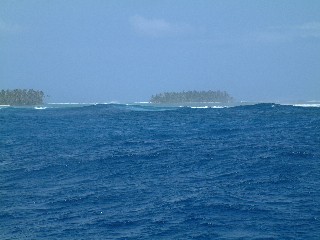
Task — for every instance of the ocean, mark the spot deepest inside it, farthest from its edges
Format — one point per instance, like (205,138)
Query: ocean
(140,171)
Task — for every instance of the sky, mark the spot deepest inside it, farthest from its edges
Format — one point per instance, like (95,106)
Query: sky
(126,51)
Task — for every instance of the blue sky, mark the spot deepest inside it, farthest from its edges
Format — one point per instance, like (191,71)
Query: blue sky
(101,51)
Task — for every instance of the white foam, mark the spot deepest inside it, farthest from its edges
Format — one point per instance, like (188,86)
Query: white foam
(219,107)
(307,105)
(106,103)
(201,107)
(40,108)
(209,107)
(72,103)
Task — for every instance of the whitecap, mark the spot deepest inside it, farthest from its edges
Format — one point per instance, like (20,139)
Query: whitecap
(209,107)
(4,106)
(201,107)
(307,105)
(72,103)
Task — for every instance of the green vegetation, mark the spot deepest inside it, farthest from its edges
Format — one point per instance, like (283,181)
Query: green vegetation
(21,97)
(191,96)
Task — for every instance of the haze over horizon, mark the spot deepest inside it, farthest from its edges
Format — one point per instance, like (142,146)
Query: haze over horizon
(125,51)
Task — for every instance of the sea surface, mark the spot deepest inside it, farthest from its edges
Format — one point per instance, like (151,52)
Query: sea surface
(140,171)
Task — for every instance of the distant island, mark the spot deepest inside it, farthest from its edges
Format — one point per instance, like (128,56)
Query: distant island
(21,97)
(192,96)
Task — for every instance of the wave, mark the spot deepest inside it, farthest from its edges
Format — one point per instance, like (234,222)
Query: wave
(307,105)
(4,106)
(146,106)
(210,107)
(73,103)
(84,103)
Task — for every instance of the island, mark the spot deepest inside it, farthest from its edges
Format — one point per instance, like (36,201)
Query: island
(21,97)
(192,96)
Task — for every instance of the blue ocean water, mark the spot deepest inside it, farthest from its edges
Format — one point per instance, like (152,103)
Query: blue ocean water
(143,172)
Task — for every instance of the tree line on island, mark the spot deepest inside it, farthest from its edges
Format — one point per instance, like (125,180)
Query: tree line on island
(192,96)
(21,97)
